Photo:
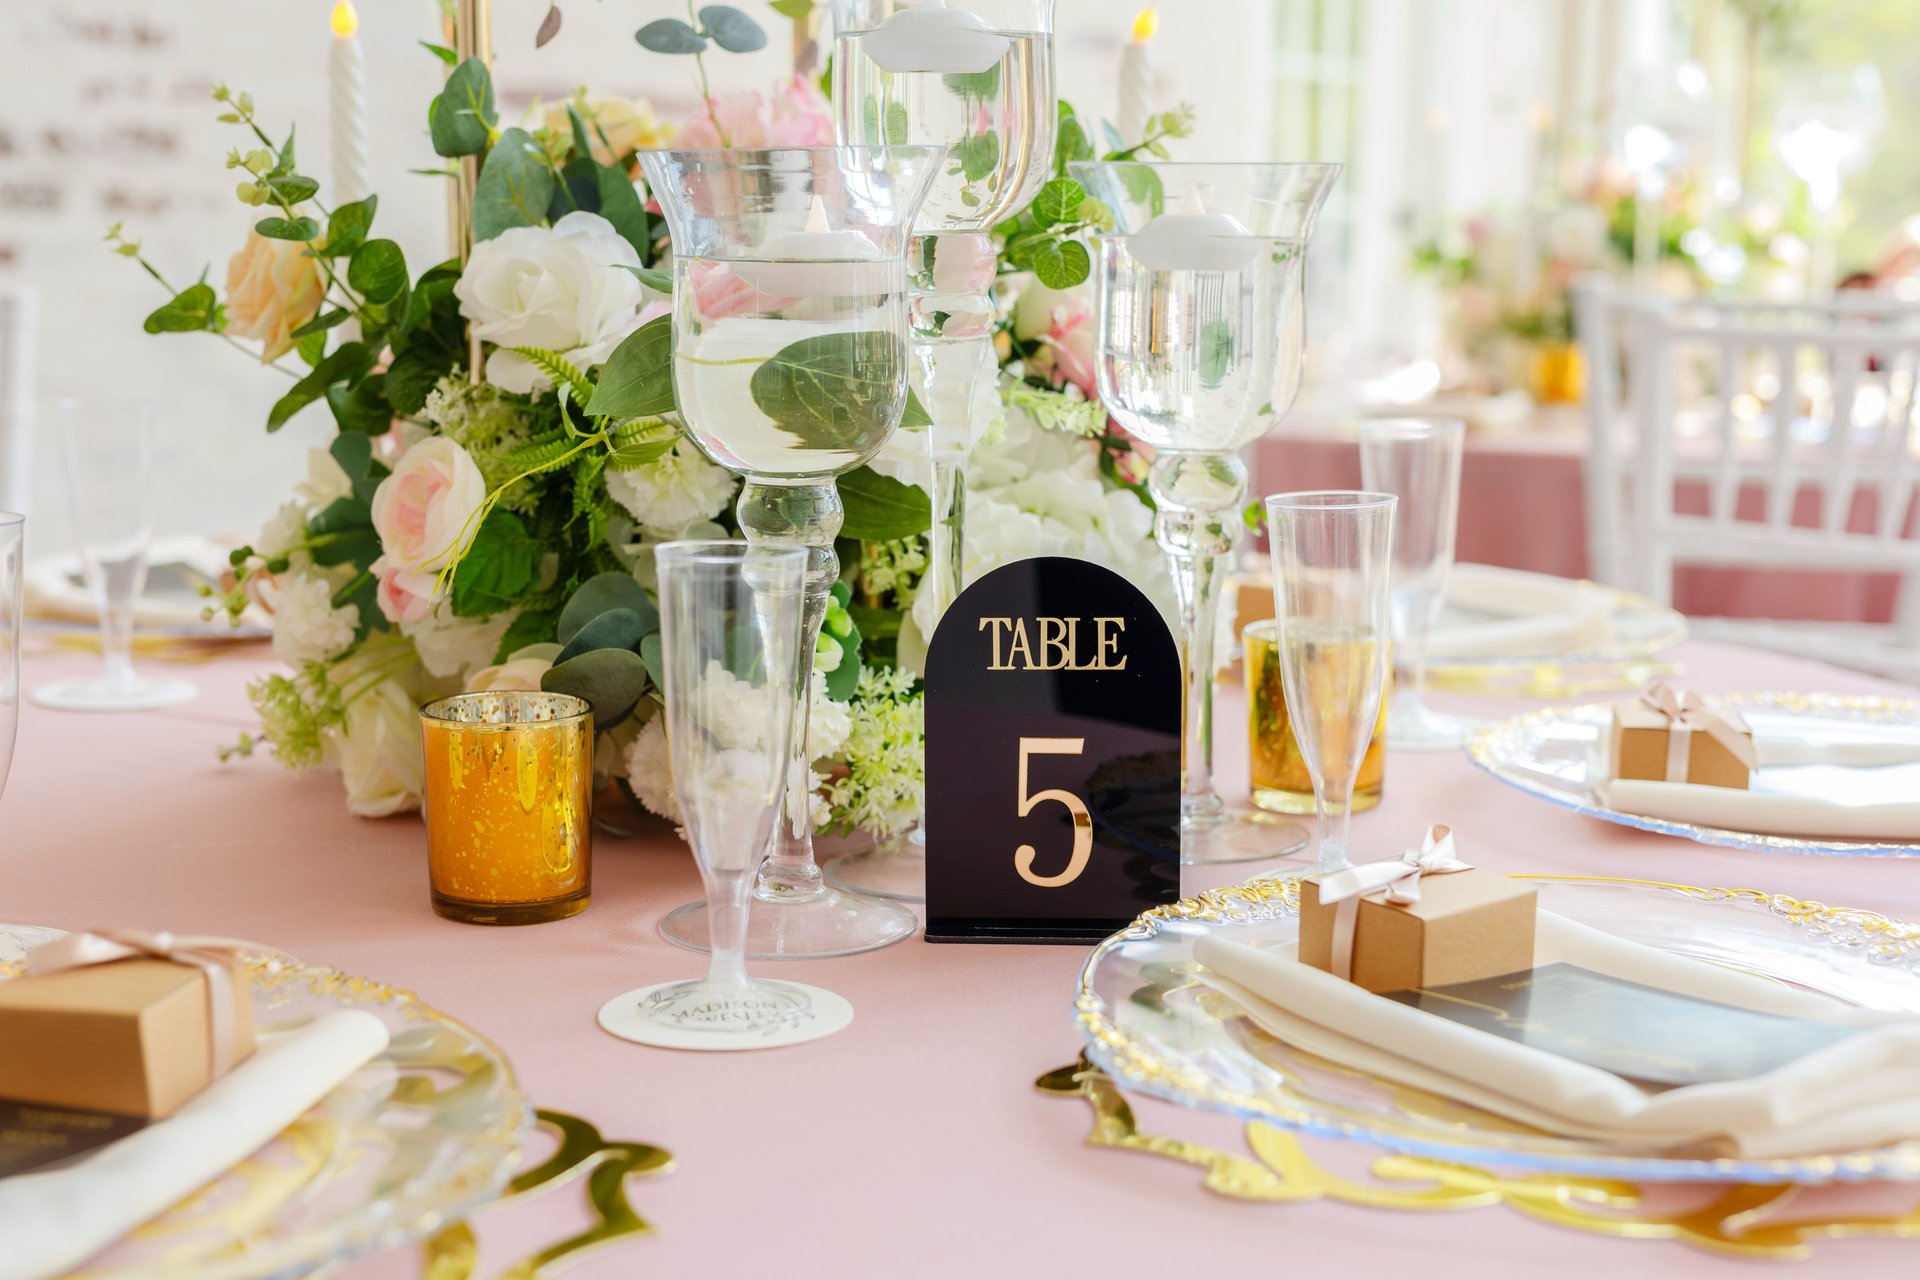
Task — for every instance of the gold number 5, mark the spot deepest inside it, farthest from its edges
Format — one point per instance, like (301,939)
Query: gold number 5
(1082,821)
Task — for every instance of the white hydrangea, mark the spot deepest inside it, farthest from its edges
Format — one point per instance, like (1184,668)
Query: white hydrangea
(649,768)
(828,723)
(678,490)
(286,530)
(454,648)
(306,626)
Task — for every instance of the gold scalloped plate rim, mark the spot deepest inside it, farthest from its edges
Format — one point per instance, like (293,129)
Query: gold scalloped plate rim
(1262,899)
(491,1158)
(1481,746)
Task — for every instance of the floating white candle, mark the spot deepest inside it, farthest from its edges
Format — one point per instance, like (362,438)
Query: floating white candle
(1194,240)
(934,37)
(817,261)
(352,170)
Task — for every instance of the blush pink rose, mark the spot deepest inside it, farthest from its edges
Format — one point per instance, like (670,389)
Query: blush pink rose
(797,114)
(719,292)
(427,505)
(405,595)
(964,263)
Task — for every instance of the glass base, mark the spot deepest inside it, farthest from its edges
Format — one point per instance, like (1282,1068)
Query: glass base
(827,923)
(101,694)
(709,1016)
(1427,730)
(1239,835)
(895,869)
(510,912)
(1304,804)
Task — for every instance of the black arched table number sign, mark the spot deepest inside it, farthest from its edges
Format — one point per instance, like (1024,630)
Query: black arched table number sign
(1053,757)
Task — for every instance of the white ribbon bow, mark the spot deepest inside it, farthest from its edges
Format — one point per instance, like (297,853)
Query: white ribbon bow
(1400,878)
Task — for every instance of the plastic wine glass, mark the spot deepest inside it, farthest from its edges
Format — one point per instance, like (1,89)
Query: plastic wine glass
(109,457)
(976,78)
(15,940)
(1418,461)
(791,367)
(1201,341)
(1332,559)
(729,637)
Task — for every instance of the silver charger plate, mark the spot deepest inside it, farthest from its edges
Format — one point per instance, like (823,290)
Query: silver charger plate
(1552,754)
(1151,1024)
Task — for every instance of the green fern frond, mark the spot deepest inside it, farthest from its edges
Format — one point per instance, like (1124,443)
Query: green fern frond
(636,430)
(559,370)
(540,457)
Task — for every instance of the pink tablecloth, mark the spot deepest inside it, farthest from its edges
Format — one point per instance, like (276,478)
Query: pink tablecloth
(1523,505)
(913,1143)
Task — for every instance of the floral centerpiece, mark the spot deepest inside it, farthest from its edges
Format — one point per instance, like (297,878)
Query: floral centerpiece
(507,451)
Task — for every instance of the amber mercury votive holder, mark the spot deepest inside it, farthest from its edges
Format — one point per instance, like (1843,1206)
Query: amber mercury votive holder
(1278,771)
(509,806)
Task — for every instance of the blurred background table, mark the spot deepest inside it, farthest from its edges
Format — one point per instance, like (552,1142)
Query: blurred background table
(913,1143)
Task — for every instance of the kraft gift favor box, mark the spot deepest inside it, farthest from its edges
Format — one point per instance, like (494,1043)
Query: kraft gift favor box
(1467,925)
(1638,741)
(133,1037)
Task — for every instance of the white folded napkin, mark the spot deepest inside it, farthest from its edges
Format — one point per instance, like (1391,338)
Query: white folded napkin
(1518,614)
(1863,1091)
(50,1221)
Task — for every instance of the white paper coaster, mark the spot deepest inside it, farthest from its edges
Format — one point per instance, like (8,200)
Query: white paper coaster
(813,1013)
(97,695)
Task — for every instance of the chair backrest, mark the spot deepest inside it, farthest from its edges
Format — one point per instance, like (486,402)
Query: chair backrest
(1754,433)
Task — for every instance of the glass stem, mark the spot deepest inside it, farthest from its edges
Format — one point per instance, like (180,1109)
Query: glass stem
(945,538)
(116,641)
(1336,814)
(1197,524)
(727,925)
(1408,701)
(797,515)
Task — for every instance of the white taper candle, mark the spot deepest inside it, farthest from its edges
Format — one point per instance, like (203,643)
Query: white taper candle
(352,167)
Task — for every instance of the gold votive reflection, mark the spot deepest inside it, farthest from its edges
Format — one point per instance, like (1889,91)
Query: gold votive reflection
(1279,772)
(509,806)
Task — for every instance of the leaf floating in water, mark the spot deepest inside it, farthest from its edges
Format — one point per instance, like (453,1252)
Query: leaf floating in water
(834,390)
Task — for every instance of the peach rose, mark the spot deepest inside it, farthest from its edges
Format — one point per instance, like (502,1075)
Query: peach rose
(424,508)
(272,289)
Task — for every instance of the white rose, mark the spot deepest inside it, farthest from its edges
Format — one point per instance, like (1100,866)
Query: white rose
(452,647)
(829,724)
(423,509)
(680,489)
(306,626)
(650,770)
(285,531)
(379,752)
(561,288)
(520,673)
(326,481)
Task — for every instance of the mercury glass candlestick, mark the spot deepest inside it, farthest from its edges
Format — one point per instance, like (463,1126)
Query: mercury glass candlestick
(1201,336)
(975,78)
(791,367)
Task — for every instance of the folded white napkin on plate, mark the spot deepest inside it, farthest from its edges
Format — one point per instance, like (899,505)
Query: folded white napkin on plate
(1530,613)
(1764,812)
(51,1221)
(1863,1091)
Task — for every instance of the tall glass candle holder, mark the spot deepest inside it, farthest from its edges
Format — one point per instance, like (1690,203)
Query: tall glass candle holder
(1201,337)
(976,78)
(791,367)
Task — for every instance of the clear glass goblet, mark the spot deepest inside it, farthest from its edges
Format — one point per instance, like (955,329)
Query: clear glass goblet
(1418,461)
(977,78)
(1332,559)
(109,456)
(729,636)
(1201,338)
(791,367)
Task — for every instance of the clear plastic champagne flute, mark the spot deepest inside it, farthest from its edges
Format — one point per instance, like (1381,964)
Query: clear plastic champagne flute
(15,940)
(1332,557)
(109,456)
(730,648)
(974,77)
(791,368)
(1418,461)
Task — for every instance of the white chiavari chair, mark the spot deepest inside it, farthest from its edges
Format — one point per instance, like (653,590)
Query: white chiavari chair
(1770,409)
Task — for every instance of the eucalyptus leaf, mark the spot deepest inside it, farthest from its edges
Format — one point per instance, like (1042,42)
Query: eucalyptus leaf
(311,348)
(915,415)
(1061,264)
(549,27)
(462,118)
(515,187)
(354,453)
(529,628)
(654,278)
(611,680)
(732,30)
(321,323)
(348,362)
(794,10)
(881,509)
(348,225)
(610,629)
(979,155)
(362,406)
(1057,202)
(302,229)
(834,390)
(637,381)
(670,35)
(974,84)
(1216,352)
(653,653)
(621,205)
(441,52)
(845,678)
(189,311)
(598,595)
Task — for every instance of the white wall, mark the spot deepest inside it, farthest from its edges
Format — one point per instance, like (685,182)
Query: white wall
(104,117)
